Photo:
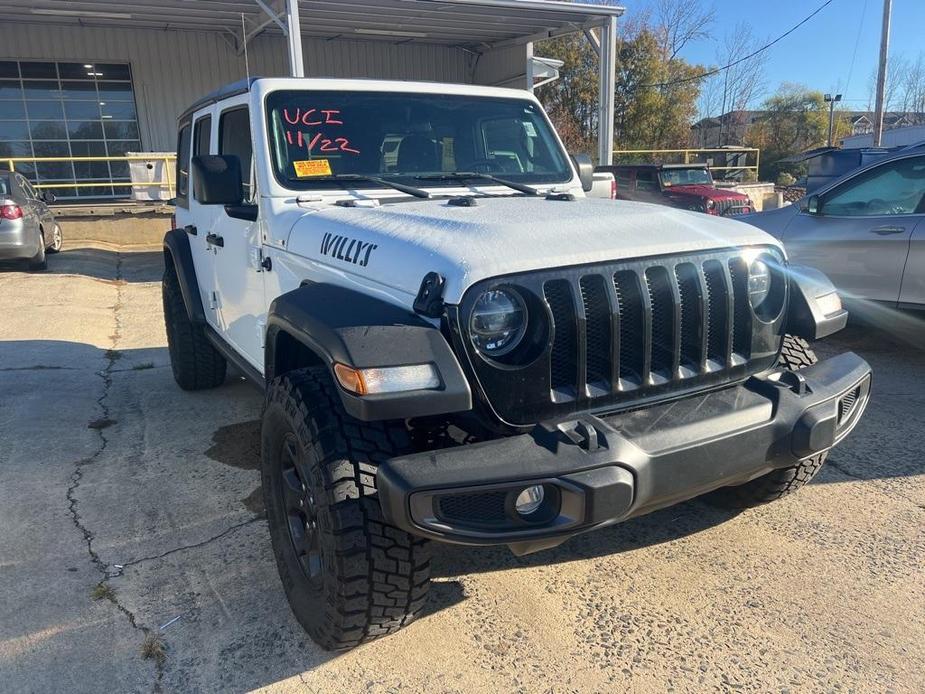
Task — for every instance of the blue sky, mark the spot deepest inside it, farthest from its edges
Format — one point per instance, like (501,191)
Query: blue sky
(819,53)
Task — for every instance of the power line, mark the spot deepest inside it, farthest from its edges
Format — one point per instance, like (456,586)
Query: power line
(765,47)
(857,40)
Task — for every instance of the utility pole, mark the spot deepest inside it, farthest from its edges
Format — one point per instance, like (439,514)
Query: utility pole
(831,101)
(881,72)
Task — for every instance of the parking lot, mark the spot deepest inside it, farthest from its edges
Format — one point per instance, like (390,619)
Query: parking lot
(110,473)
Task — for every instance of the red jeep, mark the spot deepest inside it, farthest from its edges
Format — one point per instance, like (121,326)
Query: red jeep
(688,186)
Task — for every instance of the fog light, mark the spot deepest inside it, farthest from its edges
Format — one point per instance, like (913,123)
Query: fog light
(529,500)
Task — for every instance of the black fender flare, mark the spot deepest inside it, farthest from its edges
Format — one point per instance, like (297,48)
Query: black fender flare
(178,251)
(806,318)
(341,325)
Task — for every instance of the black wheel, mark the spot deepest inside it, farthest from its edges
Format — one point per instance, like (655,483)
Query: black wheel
(795,354)
(38,262)
(349,576)
(196,364)
(57,239)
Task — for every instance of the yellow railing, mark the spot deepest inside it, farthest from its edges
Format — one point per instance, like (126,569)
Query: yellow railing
(166,182)
(686,155)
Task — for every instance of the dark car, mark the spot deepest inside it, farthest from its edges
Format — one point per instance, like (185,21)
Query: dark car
(27,226)
(688,186)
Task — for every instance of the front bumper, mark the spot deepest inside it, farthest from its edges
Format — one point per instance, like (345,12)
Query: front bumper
(599,470)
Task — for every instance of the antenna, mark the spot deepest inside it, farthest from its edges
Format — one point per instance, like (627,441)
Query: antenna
(247,67)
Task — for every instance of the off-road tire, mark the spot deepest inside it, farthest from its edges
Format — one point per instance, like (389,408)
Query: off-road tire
(370,578)
(195,363)
(795,354)
(39,262)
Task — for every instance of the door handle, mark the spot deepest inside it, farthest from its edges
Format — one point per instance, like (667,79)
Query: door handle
(191,230)
(887,230)
(215,240)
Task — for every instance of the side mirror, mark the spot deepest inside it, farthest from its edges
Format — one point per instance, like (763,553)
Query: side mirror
(585,170)
(810,205)
(48,196)
(217,180)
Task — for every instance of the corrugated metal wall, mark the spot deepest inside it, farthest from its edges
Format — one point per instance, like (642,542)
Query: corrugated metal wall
(172,68)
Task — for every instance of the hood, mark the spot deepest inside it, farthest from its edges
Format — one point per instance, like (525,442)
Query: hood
(397,244)
(705,191)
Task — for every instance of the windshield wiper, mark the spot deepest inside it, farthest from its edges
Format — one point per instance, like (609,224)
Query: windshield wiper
(410,190)
(463,175)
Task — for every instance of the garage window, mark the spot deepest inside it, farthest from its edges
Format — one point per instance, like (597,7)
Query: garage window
(56,109)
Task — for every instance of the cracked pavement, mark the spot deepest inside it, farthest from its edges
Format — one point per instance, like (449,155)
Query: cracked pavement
(111,474)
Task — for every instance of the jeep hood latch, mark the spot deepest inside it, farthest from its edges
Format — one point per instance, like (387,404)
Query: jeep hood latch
(429,301)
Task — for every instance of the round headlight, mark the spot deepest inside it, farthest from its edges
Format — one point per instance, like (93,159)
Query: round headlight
(759,282)
(498,322)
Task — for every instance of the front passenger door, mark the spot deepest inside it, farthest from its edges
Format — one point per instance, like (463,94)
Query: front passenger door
(860,235)
(238,272)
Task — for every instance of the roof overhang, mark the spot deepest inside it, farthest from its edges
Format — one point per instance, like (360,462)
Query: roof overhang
(476,25)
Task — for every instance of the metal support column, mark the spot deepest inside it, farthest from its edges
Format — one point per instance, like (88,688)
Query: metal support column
(531,78)
(296,67)
(608,79)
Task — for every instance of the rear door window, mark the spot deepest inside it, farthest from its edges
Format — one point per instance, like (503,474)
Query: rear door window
(895,188)
(202,136)
(645,181)
(183,156)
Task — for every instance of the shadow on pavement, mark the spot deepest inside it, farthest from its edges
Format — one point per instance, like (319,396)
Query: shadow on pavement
(109,264)
(101,263)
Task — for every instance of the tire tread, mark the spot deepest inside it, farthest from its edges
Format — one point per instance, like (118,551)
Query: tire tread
(195,363)
(381,574)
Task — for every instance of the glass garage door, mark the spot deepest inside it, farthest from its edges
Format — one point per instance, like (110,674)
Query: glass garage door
(50,109)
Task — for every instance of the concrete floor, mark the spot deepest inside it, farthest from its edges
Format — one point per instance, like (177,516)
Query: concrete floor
(108,470)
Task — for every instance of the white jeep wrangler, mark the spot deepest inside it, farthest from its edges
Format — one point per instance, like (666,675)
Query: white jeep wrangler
(457,345)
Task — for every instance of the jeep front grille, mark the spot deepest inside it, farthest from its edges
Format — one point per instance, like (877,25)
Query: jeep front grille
(732,207)
(630,331)
(669,322)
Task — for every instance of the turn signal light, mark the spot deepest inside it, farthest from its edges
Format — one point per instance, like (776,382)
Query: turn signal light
(11,212)
(390,379)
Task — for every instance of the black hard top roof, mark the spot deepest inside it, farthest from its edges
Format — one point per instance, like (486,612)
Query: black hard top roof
(225,92)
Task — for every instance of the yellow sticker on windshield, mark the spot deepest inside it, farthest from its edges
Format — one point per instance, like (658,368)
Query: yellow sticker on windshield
(312,167)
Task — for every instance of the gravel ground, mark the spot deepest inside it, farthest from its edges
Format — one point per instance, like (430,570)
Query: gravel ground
(109,473)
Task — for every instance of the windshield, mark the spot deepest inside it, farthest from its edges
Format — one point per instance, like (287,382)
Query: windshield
(402,137)
(685,177)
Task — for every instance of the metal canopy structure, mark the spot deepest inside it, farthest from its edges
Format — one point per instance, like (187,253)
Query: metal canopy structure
(477,26)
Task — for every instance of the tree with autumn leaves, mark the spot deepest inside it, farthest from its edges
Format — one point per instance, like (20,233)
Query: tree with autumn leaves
(656,91)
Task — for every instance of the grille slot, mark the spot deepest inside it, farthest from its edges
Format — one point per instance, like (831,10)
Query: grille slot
(742,313)
(692,314)
(717,311)
(598,333)
(563,364)
(663,317)
(632,326)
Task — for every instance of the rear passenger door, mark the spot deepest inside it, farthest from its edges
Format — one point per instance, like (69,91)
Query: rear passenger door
(198,140)
(238,272)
